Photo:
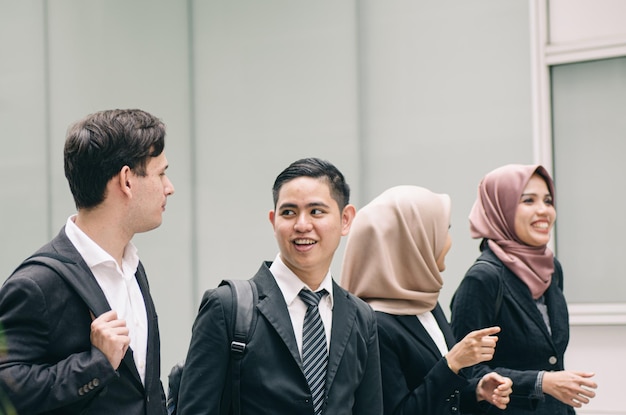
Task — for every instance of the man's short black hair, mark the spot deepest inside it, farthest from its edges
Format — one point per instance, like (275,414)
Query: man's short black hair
(315,168)
(99,145)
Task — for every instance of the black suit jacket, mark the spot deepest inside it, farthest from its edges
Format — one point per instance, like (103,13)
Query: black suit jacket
(50,366)
(525,346)
(416,378)
(273,382)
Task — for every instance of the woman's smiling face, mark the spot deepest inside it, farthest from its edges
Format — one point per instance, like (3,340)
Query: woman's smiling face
(535,213)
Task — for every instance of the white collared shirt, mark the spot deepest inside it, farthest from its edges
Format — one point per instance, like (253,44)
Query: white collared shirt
(430,324)
(120,287)
(290,285)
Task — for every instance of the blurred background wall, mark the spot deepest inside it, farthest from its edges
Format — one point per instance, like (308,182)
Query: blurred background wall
(393,92)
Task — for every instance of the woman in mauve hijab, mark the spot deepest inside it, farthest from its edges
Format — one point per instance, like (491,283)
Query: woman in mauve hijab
(517,284)
(393,258)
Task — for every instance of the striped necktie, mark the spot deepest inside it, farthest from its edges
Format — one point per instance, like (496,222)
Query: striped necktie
(314,355)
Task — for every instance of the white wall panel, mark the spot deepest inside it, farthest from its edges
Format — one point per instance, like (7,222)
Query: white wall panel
(590,21)
(131,54)
(275,82)
(23,159)
(445,99)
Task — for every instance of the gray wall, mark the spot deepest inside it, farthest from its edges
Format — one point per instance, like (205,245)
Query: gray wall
(396,92)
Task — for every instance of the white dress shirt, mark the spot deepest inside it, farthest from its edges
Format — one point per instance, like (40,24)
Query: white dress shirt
(290,285)
(430,324)
(120,287)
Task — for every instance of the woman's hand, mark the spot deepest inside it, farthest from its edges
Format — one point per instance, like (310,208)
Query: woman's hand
(571,388)
(478,346)
(494,389)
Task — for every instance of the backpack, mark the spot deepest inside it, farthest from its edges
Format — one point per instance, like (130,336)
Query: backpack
(245,298)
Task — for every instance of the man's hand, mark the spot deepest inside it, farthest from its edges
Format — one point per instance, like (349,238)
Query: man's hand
(110,336)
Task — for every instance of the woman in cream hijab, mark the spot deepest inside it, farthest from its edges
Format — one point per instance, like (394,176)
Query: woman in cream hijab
(393,258)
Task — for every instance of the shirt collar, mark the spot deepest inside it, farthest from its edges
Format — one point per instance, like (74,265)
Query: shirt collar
(92,253)
(290,285)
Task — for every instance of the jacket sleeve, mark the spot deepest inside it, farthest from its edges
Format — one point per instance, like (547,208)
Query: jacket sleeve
(473,307)
(44,366)
(205,374)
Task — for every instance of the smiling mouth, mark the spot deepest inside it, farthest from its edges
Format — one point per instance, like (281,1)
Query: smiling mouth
(542,226)
(304,242)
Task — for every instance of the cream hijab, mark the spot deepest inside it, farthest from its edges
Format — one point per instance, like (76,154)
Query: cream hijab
(493,218)
(390,259)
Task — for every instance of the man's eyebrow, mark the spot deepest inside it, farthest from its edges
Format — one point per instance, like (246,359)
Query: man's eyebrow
(308,205)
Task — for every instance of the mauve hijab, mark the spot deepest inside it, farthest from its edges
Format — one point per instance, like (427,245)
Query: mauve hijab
(493,218)
(390,259)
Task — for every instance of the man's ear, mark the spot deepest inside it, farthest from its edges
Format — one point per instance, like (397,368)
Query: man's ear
(272,217)
(124,179)
(347,216)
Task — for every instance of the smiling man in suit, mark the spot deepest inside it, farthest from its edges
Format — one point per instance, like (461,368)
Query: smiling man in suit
(78,320)
(311,213)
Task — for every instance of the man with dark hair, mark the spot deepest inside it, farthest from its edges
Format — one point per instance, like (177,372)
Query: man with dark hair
(78,319)
(314,347)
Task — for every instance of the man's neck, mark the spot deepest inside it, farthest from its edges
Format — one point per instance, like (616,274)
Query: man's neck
(103,231)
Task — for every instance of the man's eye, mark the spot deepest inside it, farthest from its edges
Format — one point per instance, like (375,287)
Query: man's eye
(317,211)
(287,212)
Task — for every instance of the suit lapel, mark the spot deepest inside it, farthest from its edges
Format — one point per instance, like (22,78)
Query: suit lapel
(521,295)
(142,281)
(344,315)
(272,306)
(80,277)
(417,330)
(557,312)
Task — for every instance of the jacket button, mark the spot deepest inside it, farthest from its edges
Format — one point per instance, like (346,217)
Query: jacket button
(552,360)
(96,382)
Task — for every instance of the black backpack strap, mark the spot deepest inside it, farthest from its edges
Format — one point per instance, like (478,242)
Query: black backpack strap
(67,269)
(500,294)
(245,298)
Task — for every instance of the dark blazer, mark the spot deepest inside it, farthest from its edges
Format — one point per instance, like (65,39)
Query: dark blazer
(416,379)
(525,345)
(51,366)
(273,382)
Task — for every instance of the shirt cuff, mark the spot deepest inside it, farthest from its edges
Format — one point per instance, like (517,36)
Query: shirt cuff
(538,392)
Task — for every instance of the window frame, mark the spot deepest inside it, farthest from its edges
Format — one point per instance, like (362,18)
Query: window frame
(544,55)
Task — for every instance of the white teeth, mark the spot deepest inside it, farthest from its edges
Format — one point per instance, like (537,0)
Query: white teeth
(304,242)
(541,225)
